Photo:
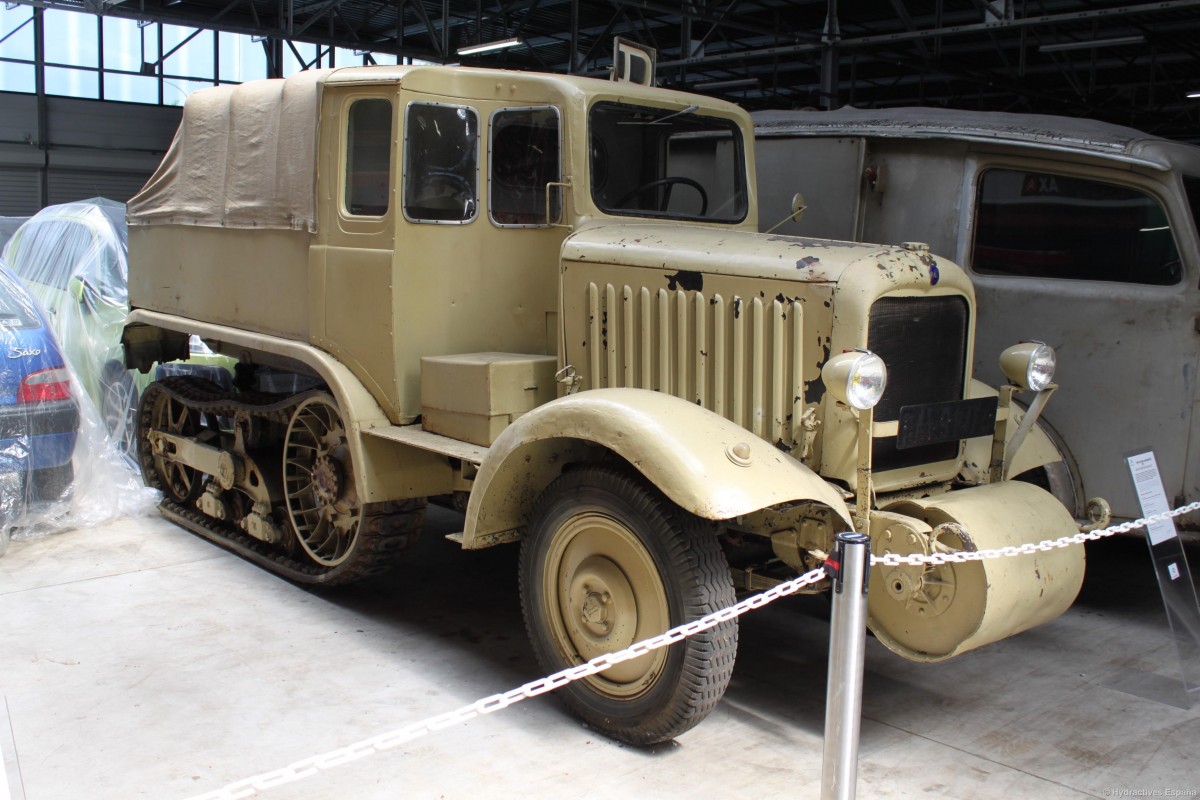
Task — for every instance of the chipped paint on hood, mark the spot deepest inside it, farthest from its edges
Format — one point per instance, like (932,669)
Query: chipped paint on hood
(743,253)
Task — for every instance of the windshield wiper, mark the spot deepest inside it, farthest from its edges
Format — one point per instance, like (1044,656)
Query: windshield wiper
(663,120)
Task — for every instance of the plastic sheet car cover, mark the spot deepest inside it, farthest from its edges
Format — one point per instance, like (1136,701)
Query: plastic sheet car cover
(8,226)
(58,468)
(73,260)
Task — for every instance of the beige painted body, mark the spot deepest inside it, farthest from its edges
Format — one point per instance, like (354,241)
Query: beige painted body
(691,351)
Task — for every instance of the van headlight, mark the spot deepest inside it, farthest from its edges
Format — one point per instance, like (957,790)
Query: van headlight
(857,378)
(1030,365)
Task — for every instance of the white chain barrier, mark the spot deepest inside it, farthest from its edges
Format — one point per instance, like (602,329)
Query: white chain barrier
(249,787)
(963,556)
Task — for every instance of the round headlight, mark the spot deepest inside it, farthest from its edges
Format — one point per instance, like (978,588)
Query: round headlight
(857,378)
(1030,365)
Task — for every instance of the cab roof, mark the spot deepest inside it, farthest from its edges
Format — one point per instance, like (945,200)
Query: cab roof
(244,155)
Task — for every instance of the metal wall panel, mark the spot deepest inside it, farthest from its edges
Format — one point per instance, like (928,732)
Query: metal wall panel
(88,148)
(19,191)
(67,186)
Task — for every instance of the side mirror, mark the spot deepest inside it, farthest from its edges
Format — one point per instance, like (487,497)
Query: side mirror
(798,206)
(83,293)
(798,209)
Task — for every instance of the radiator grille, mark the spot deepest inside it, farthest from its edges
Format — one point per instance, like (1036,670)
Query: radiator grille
(739,357)
(923,341)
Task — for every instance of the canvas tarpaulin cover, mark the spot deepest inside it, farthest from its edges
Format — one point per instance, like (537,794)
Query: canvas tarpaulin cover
(243,157)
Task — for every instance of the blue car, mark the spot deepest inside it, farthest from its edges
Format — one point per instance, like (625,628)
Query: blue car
(39,416)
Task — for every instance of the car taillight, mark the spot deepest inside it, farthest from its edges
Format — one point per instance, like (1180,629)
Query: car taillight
(45,385)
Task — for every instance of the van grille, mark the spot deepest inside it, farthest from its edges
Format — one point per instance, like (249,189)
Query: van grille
(739,357)
(923,341)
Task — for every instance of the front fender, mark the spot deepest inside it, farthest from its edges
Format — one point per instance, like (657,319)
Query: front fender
(684,450)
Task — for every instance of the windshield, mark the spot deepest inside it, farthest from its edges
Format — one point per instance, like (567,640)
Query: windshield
(676,164)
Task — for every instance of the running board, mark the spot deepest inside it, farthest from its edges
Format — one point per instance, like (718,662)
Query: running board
(418,437)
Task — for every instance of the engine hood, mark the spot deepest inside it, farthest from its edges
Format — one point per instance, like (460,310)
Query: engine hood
(747,254)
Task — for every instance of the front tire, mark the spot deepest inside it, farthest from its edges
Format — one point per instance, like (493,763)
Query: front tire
(608,562)
(1057,479)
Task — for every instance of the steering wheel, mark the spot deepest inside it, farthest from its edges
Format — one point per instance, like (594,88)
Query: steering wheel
(668,182)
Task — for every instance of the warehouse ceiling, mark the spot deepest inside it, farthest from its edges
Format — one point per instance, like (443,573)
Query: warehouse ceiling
(1133,64)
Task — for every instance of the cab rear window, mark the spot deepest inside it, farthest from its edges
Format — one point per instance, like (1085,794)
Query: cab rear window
(1042,225)
(368,157)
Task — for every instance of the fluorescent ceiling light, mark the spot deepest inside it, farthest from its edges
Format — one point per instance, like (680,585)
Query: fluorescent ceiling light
(730,84)
(1193,96)
(488,47)
(1089,44)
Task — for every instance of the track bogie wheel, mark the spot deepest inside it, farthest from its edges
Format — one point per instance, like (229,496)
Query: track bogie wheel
(162,412)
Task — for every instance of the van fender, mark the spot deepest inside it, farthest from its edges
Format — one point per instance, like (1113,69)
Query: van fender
(702,462)
(1040,449)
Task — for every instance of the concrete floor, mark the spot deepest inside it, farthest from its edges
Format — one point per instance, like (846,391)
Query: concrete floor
(139,661)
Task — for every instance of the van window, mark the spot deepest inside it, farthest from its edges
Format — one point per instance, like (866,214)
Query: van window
(441,157)
(368,157)
(1191,185)
(524,157)
(1036,224)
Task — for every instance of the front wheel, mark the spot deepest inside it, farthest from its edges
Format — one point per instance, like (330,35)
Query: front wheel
(609,562)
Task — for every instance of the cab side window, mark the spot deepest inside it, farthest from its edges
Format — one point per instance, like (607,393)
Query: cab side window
(441,163)
(1041,225)
(524,156)
(368,157)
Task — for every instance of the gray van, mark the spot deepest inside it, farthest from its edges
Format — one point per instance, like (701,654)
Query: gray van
(1079,233)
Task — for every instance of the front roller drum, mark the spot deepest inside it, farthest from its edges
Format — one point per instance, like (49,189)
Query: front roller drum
(934,612)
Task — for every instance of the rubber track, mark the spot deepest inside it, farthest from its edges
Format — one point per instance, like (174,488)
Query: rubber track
(386,530)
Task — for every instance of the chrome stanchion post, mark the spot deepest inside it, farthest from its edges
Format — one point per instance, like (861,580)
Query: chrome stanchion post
(848,568)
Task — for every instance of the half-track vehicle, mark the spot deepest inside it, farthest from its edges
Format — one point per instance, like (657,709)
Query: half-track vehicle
(544,300)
